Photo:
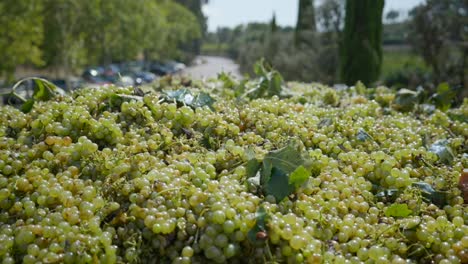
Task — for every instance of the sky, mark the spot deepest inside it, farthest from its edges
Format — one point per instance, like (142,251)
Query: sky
(230,13)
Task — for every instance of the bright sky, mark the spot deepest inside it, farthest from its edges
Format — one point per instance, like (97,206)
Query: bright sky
(231,13)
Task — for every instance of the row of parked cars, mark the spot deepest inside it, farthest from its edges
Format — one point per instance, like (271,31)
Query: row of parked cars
(133,73)
(130,73)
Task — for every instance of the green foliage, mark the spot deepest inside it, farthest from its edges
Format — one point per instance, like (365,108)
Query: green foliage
(299,176)
(185,97)
(362,41)
(436,197)
(438,34)
(182,26)
(66,35)
(444,97)
(398,210)
(282,171)
(43,91)
(305,27)
(443,151)
(405,100)
(21,34)
(269,83)
(139,186)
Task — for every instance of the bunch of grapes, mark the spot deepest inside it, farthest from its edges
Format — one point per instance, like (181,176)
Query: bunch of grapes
(105,176)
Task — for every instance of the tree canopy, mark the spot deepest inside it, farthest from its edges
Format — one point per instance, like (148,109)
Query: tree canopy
(70,34)
(21,34)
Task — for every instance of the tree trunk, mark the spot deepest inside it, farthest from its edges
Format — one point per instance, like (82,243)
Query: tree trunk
(361,56)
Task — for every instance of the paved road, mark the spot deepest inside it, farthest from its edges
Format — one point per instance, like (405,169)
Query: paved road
(210,66)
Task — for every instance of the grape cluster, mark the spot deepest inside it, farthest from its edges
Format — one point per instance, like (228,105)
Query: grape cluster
(94,177)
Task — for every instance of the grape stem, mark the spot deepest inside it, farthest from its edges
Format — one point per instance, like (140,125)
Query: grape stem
(169,190)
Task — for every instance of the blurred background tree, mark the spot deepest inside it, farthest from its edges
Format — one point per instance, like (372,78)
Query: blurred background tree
(306,25)
(64,35)
(439,33)
(361,56)
(21,35)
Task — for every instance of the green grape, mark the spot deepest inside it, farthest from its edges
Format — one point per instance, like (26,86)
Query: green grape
(86,181)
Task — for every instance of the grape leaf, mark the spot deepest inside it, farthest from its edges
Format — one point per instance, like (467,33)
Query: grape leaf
(27,106)
(443,151)
(398,210)
(444,97)
(227,80)
(252,166)
(185,97)
(405,100)
(362,135)
(269,83)
(278,185)
(438,198)
(389,195)
(299,176)
(286,159)
(43,91)
(277,168)
(260,224)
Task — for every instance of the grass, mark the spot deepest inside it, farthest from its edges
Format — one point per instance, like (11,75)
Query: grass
(214,48)
(395,59)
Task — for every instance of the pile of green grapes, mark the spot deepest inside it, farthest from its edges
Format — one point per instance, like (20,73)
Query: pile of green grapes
(106,176)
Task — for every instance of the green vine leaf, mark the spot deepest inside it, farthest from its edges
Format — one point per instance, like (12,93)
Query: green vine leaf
(443,151)
(398,210)
(185,97)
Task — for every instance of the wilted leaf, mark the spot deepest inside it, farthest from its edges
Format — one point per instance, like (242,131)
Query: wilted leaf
(443,151)
(202,99)
(325,122)
(362,135)
(427,109)
(398,210)
(405,100)
(389,195)
(436,197)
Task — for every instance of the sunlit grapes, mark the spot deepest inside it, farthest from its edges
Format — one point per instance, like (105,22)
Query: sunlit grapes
(89,178)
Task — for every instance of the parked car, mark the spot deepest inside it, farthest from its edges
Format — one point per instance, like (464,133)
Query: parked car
(140,77)
(161,69)
(177,66)
(75,83)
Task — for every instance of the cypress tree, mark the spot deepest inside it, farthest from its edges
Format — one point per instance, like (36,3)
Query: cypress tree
(305,27)
(273,25)
(361,56)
